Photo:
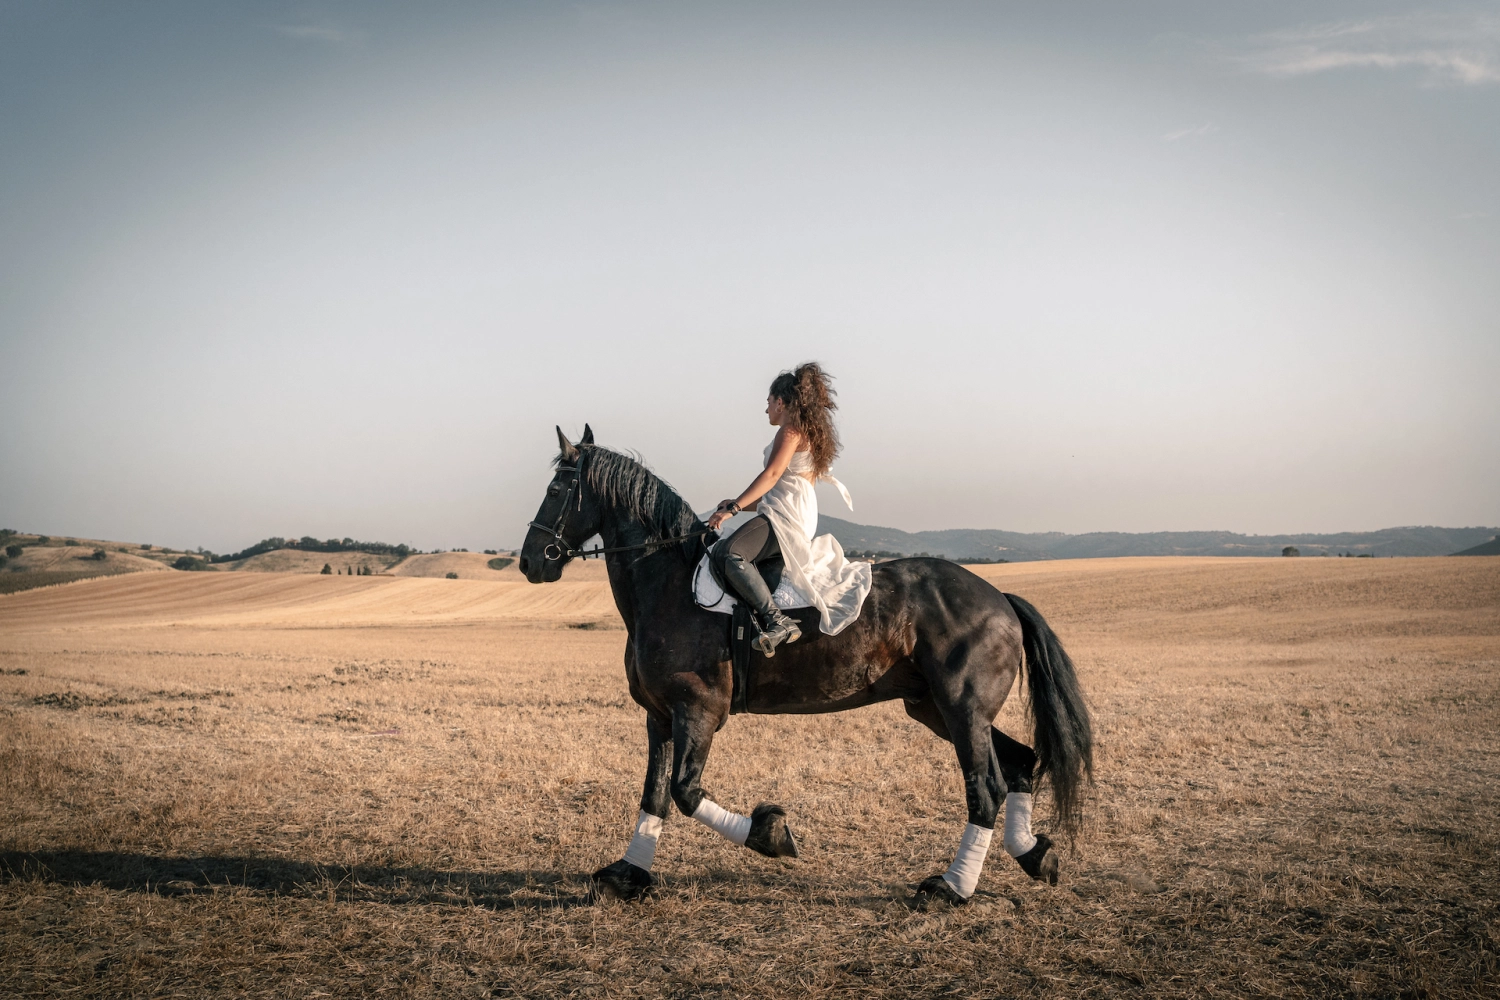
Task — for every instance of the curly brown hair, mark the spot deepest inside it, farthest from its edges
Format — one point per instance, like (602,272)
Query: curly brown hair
(808,395)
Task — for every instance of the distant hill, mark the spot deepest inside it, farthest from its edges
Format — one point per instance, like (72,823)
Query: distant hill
(463,565)
(39,561)
(1489,548)
(985,543)
(44,561)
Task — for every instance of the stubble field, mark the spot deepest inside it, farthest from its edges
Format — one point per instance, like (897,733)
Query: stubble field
(278,785)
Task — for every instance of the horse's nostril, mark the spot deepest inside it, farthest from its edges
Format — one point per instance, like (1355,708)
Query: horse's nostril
(525,565)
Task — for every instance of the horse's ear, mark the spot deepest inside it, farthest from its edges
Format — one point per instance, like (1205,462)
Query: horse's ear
(588,435)
(569,453)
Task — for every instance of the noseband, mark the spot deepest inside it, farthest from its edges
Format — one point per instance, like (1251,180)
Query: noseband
(558,549)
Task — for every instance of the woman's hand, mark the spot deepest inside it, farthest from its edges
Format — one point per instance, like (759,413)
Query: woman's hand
(717,518)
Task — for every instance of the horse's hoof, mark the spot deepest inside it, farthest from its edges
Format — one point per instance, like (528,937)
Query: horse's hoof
(937,890)
(769,834)
(622,880)
(1041,861)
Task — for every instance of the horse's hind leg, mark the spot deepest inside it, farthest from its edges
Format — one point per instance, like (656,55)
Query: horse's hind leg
(982,791)
(630,877)
(1035,853)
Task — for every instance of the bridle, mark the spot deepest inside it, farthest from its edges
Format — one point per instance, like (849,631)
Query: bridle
(558,549)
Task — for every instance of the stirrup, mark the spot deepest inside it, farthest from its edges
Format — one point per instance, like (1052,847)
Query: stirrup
(776,629)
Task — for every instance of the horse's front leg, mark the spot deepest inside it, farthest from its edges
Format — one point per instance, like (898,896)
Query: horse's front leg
(630,877)
(764,831)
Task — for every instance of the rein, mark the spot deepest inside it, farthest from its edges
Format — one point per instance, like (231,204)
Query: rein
(558,549)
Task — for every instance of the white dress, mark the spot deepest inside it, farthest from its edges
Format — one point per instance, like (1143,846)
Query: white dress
(817,574)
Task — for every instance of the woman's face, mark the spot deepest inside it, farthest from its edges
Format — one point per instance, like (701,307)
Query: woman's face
(775,410)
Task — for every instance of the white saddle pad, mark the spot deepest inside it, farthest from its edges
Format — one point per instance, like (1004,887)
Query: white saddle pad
(712,597)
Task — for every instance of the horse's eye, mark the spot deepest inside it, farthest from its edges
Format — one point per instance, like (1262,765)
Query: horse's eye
(553,490)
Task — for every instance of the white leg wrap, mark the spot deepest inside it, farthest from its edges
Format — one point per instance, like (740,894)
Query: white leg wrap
(1018,836)
(963,874)
(731,826)
(642,849)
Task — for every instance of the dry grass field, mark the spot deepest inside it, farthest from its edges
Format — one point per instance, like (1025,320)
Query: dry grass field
(290,786)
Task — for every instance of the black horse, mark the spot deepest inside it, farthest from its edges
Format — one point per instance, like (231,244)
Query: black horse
(931,633)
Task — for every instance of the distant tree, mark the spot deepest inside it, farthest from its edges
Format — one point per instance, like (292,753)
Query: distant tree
(491,552)
(189,563)
(452,576)
(307,543)
(43,540)
(71,541)
(3,560)
(99,555)
(146,546)
(499,562)
(1290,550)
(327,570)
(13,550)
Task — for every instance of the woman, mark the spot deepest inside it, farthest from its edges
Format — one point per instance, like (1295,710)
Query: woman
(801,405)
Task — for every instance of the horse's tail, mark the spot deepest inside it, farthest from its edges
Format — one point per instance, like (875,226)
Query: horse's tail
(1064,737)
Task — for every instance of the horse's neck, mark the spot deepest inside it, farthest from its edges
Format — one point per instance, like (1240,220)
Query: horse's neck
(640,579)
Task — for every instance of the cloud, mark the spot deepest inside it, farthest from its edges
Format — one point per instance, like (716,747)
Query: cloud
(316,33)
(1459,49)
(1205,129)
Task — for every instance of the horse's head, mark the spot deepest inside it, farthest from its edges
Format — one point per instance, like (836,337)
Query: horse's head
(566,517)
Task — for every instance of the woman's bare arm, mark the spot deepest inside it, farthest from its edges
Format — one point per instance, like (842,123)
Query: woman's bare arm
(782,450)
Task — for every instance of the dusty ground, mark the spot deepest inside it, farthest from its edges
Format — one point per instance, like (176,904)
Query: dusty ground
(270,785)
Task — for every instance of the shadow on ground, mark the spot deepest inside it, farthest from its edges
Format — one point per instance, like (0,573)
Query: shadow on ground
(177,876)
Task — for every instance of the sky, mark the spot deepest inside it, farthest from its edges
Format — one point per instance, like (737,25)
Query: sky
(338,269)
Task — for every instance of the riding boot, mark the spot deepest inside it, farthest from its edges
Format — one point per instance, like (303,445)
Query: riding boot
(775,627)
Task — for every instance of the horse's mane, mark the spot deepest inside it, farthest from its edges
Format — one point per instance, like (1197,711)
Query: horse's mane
(622,482)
